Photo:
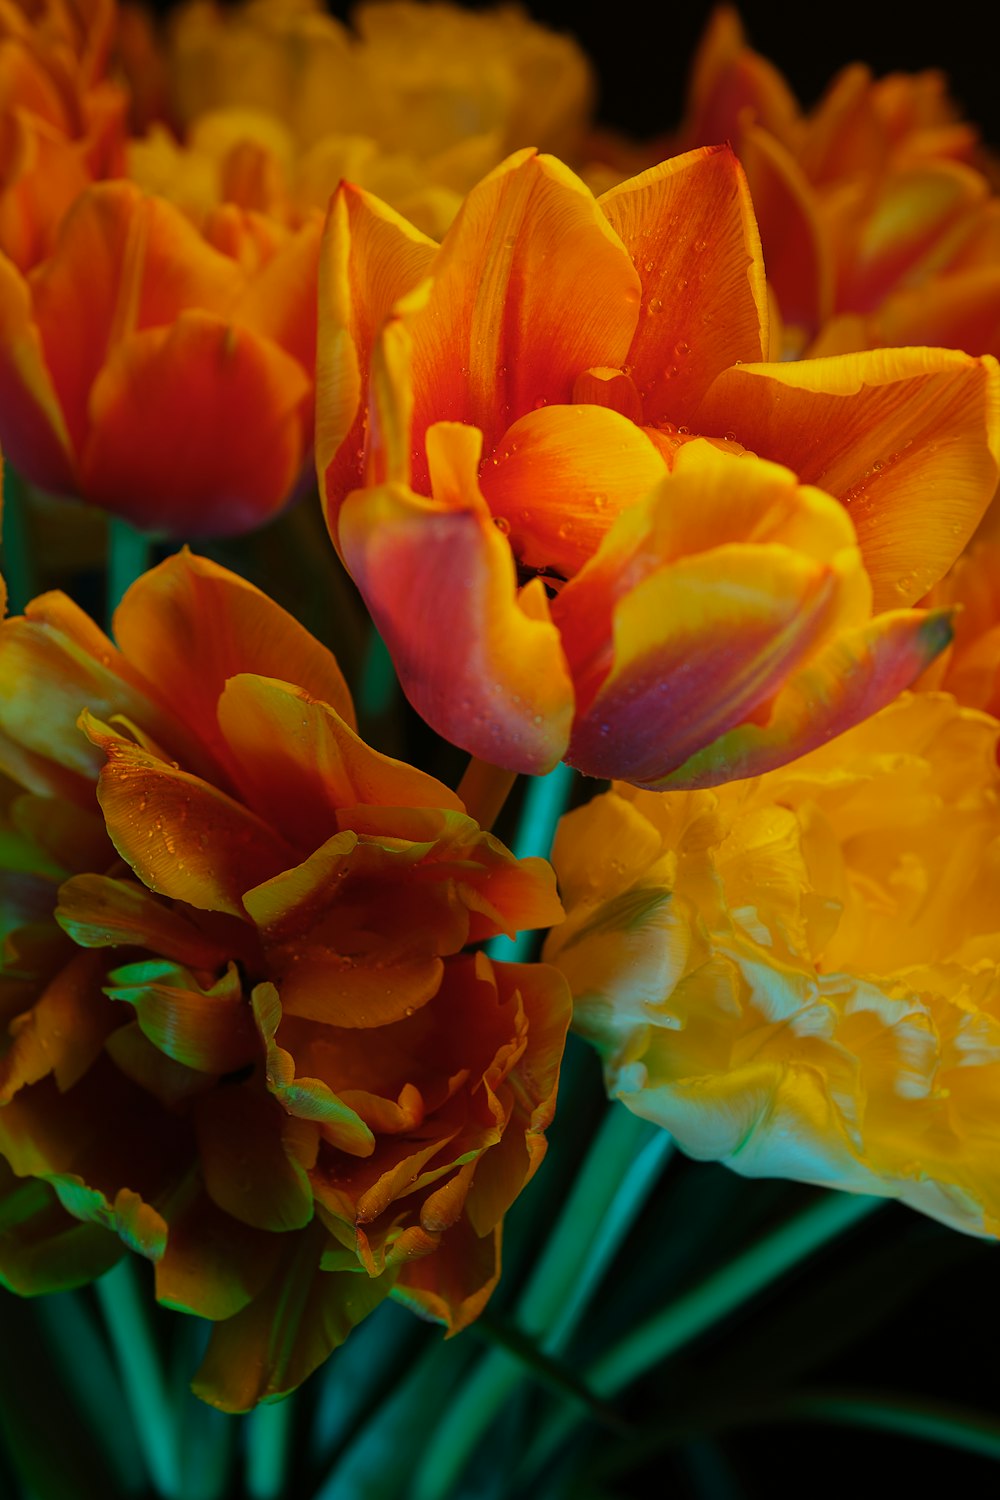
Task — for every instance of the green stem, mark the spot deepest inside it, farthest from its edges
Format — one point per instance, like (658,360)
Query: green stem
(931,1421)
(545,801)
(378,679)
(268,1432)
(128,558)
(691,1314)
(131,1335)
(18,560)
(607,1188)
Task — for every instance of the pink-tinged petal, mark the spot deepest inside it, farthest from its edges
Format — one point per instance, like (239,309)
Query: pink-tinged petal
(849,681)
(531,287)
(307,1098)
(689,228)
(33,429)
(207,1028)
(560,477)
(98,911)
(435,571)
(697,648)
(369,258)
(296,763)
(908,438)
(246,1165)
(224,444)
(64,1030)
(189,626)
(301,1315)
(181,836)
(212,1265)
(453,1285)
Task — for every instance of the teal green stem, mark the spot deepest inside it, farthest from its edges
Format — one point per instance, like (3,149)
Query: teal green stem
(131,1334)
(545,800)
(18,559)
(931,1421)
(691,1314)
(128,558)
(378,679)
(607,1194)
(268,1436)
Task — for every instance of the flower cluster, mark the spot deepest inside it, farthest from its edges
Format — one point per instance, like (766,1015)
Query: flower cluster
(245,1037)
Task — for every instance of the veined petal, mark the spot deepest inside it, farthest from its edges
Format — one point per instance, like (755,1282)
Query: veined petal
(849,681)
(439,570)
(100,912)
(908,438)
(183,837)
(689,227)
(224,443)
(296,763)
(698,647)
(209,1030)
(369,258)
(531,286)
(189,626)
(560,477)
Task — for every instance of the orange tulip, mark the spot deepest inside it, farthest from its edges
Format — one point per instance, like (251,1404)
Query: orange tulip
(503,442)
(147,371)
(244,1037)
(61,118)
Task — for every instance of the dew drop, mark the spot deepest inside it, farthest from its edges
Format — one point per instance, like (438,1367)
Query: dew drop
(502,524)
(647,265)
(681,348)
(654,305)
(683,431)
(540,401)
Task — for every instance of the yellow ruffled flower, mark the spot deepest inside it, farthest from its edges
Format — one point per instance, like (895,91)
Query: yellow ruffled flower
(415,103)
(797,975)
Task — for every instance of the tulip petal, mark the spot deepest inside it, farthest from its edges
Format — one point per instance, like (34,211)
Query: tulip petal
(369,258)
(908,438)
(182,837)
(453,1285)
(850,680)
(247,1168)
(207,1029)
(189,626)
(64,1030)
(224,445)
(212,1265)
(530,288)
(439,570)
(796,251)
(33,429)
(100,912)
(958,311)
(296,763)
(560,477)
(42,1247)
(689,227)
(698,647)
(301,1315)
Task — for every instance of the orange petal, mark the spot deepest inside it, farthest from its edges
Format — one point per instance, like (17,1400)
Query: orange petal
(434,572)
(99,912)
(64,1030)
(207,1029)
(849,681)
(224,445)
(958,311)
(560,477)
(183,838)
(689,227)
(189,626)
(530,288)
(212,1264)
(369,258)
(453,1285)
(797,255)
(33,429)
(908,438)
(246,1168)
(296,763)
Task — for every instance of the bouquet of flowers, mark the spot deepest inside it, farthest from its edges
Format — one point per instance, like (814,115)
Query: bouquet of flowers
(501,649)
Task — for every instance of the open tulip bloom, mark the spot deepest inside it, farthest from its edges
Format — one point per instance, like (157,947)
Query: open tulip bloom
(304,1027)
(545,439)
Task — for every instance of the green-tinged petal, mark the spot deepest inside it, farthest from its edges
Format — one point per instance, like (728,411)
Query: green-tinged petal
(453,1285)
(182,837)
(63,1031)
(98,911)
(42,1247)
(270,1347)
(307,1098)
(248,1170)
(212,1264)
(206,1028)
(852,678)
